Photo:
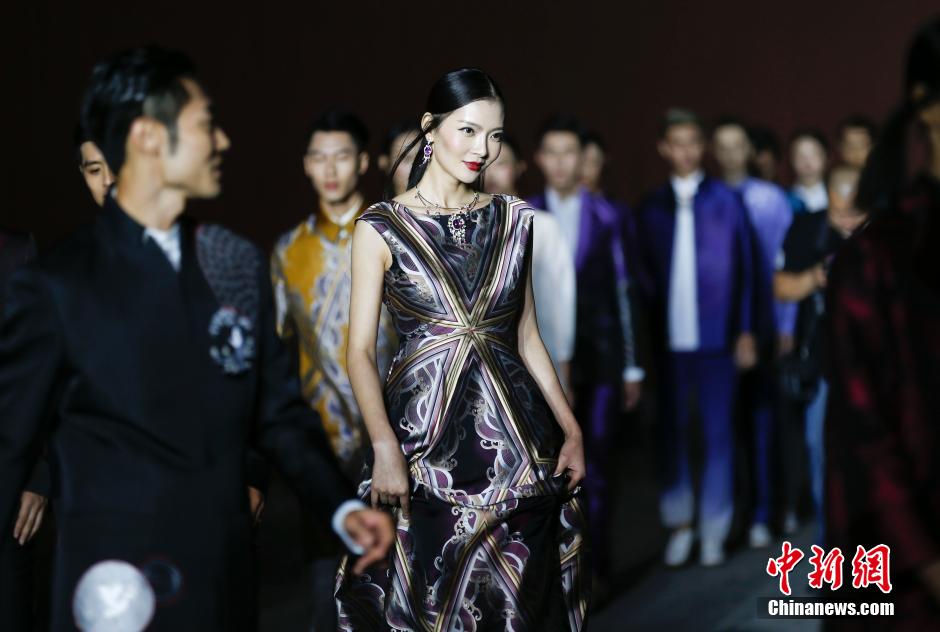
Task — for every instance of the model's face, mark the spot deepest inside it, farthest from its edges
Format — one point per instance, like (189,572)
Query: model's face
(468,140)
(592,166)
(501,176)
(808,158)
(194,165)
(732,148)
(855,146)
(559,157)
(95,170)
(683,148)
(403,170)
(334,164)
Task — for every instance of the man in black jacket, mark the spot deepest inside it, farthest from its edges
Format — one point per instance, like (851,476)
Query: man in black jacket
(153,338)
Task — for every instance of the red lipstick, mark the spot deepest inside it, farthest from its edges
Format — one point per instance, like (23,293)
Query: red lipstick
(473,166)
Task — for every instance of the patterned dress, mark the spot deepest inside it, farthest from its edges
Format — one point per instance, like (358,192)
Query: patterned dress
(311,275)
(493,541)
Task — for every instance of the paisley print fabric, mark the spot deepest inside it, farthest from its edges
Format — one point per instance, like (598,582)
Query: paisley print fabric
(493,541)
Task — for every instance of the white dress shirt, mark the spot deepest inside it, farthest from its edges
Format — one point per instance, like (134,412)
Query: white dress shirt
(169,242)
(683,276)
(816,197)
(554,287)
(567,210)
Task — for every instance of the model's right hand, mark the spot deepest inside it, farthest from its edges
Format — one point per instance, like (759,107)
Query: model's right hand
(32,508)
(390,477)
(374,531)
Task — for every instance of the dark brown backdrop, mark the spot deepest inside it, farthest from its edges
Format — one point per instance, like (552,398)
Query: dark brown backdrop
(272,67)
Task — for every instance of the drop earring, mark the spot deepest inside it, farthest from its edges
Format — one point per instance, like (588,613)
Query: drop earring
(428,150)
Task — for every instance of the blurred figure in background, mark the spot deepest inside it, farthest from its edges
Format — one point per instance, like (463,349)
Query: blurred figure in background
(696,246)
(553,277)
(397,138)
(765,162)
(803,264)
(770,216)
(92,166)
(605,376)
(882,435)
(311,275)
(856,137)
(809,155)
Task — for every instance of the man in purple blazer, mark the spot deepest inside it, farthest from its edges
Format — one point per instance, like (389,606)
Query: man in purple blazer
(605,375)
(695,243)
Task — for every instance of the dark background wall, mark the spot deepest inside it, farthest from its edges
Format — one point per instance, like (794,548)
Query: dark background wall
(272,67)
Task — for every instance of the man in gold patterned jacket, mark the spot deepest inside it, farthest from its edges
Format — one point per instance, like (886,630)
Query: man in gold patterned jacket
(311,274)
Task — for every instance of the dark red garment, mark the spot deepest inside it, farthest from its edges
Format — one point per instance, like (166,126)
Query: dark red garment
(883,423)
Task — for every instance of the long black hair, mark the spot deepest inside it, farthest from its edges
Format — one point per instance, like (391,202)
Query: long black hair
(451,92)
(885,176)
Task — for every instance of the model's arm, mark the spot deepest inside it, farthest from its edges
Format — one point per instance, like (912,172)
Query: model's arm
(292,435)
(30,365)
(370,259)
(539,364)
(795,286)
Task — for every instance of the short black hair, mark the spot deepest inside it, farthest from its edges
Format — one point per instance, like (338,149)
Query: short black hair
(730,120)
(680,116)
(341,120)
(137,82)
(764,139)
(79,138)
(810,132)
(562,122)
(591,137)
(858,121)
(397,130)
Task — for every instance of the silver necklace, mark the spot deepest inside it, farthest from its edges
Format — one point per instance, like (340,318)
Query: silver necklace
(456,222)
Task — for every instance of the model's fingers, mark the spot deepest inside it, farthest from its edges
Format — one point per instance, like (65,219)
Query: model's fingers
(405,501)
(562,464)
(36,522)
(22,517)
(375,498)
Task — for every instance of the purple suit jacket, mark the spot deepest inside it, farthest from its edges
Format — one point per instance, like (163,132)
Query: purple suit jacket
(724,262)
(604,342)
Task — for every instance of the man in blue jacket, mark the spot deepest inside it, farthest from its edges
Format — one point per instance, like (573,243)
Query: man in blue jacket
(695,245)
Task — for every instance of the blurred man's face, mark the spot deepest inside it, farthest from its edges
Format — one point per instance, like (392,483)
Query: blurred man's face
(732,149)
(854,146)
(95,170)
(334,163)
(683,148)
(592,166)
(559,157)
(808,158)
(501,176)
(194,164)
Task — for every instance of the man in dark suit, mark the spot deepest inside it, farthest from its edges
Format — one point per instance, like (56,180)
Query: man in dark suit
(16,547)
(153,338)
(605,375)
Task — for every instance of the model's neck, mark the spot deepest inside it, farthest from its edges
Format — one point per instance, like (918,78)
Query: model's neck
(734,177)
(443,189)
(687,173)
(146,198)
(566,192)
(336,209)
(809,183)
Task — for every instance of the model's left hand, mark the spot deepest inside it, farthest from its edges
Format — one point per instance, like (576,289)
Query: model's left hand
(632,391)
(32,508)
(745,352)
(571,459)
(255,503)
(374,531)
